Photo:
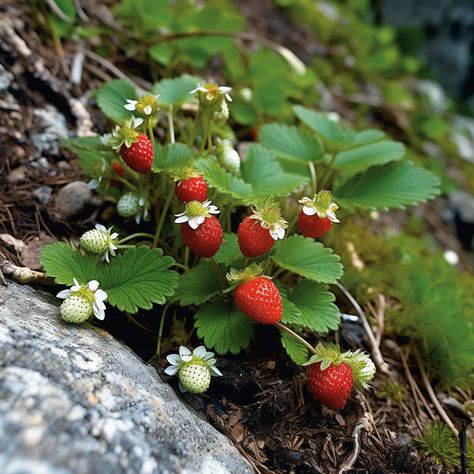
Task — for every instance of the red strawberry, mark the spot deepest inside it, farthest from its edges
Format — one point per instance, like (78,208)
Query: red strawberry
(206,239)
(254,240)
(118,168)
(313,226)
(192,189)
(139,155)
(331,386)
(259,299)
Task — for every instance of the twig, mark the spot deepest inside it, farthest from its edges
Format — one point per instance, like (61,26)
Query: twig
(379,315)
(62,16)
(378,358)
(432,394)
(22,274)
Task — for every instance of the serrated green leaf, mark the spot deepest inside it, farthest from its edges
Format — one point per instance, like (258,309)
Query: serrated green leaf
(198,285)
(175,91)
(262,170)
(63,263)
(315,304)
(229,252)
(291,143)
(225,182)
(111,98)
(295,349)
(308,258)
(162,53)
(331,131)
(367,136)
(290,313)
(137,278)
(91,157)
(394,185)
(358,159)
(223,327)
(172,156)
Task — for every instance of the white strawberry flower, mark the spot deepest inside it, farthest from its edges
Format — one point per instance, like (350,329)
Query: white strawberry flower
(322,205)
(269,215)
(212,90)
(185,358)
(145,105)
(196,213)
(90,293)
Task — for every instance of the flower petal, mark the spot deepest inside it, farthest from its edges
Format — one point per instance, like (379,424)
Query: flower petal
(101,228)
(130,107)
(172,370)
(93,285)
(215,371)
(309,211)
(173,359)
(64,294)
(184,351)
(200,351)
(181,220)
(187,358)
(99,313)
(100,295)
(148,110)
(195,222)
(181,387)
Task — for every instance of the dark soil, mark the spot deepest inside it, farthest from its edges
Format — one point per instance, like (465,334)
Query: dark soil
(261,403)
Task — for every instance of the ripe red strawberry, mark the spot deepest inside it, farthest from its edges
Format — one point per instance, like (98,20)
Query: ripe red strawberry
(331,386)
(259,299)
(313,226)
(192,189)
(139,156)
(118,168)
(253,239)
(206,239)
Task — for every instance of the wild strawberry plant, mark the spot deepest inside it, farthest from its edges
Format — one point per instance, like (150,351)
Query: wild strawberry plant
(232,237)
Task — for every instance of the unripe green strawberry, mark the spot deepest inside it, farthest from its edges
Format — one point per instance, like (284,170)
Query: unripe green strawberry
(94,241)
(128,205)
(76,309)
(195,377)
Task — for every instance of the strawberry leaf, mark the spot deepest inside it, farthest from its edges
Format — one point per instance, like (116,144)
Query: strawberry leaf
(315,304)
(172,156)
(308,258)
(63,263)
(291,143)
(175,91)
(229,252)
(295,349)
(198,285)
(394,185)
(223,327)
(111,98)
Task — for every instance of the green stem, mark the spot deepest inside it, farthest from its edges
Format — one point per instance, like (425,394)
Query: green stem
(328,174)
(171,124)
(291,225)
(296,336)
(150,132)
(164,211)
(125,246)
(127,183)
(160,330)
(277,272)
(134,236)
(221,276)
(186,257)
(314,177)
(179,265)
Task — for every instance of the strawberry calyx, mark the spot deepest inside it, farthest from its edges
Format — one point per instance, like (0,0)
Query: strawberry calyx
(269,215)
(125,134)
(185,172)
(236,277)
(363,368)
(322,204)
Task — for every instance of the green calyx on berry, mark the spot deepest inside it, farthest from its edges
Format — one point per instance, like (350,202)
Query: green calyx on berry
(125,134)
(194,369)
(145,106)
(195,213)
(185,172)
(321,204)
(361,364)
(100,241)
(236,277)
(269,215)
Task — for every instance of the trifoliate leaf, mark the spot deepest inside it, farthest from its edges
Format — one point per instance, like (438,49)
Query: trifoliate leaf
(262,170)
(172,156)
(229,252)
(393,185)
(223,327)
(92,158)
(62,262)
(291,143)
(354,160)
(291,313)
(226,183)
(111,98)
(137,278)
(176,91)
(315,304)
(295,349)
(308,258)
(198,285)
(329,130)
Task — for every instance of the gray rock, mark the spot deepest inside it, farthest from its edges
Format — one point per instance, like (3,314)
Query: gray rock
(53,127)
(73,400)
(43,194)
(72,198)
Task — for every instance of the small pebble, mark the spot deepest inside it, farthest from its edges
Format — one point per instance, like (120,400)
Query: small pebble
(72,198)
(43,194)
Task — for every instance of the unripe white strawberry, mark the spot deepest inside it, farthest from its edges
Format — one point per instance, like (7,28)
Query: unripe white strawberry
(76,309)
(128,205)
(221,116)
(94,241)
(195,377)
(228,156)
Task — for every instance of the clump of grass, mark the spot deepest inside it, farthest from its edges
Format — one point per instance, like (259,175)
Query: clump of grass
(439,444)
